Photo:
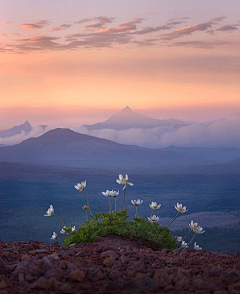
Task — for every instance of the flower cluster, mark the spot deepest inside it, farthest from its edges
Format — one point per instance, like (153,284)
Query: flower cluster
(137,203)
(197,230)
(64,230)
(110,194)
(153,219)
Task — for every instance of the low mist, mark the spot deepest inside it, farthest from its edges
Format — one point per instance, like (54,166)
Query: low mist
(218,133)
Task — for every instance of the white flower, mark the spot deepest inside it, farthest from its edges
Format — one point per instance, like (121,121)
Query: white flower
(198,230)
(124,181)
(107,193)
(179,239)
(181,209)
(50,211)
(153,219)
(154,205)
(63,230)
(81,187)
(196,247)
(184,244)
(54,236)
(137,202)
(193,225)
(73,228)
(114,193)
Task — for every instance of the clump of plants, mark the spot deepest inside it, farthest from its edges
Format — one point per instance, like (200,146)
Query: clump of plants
(117,223)
(144,231)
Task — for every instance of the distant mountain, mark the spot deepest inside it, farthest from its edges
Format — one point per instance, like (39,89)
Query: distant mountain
(17,130)
(2,145)
(43,127)
(68,148)
(127,119)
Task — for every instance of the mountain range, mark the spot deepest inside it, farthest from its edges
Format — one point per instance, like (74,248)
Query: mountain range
(131,128)
(127,119)
(68,148)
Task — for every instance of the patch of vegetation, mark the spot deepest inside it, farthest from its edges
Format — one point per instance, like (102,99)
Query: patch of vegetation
(140,229)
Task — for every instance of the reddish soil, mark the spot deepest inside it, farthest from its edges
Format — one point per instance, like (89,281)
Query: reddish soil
(114,265)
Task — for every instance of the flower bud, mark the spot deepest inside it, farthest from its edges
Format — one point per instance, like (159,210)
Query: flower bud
(85,207)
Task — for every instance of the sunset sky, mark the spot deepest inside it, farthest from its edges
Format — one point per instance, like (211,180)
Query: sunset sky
(72,62)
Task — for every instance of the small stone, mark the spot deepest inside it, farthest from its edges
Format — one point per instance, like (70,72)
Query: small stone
(138,266)
(63,264)
(147,285)
(172,260)
(21,278)
(109,261)
(77,275)
(214,272)
(63,252)
(66,288)
(3,284)
(53,283)
(162,278)
(203,283)
(195,261)
(108,254)
(230,278)
(113,286)
(42,251)
(72,245)
(25,257)
(40,284)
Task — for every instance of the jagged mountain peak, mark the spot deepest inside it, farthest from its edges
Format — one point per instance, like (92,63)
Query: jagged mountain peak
(126,109)
(25,127)
(26,123)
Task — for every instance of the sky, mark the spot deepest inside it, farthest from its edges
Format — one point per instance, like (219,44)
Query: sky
(67,63)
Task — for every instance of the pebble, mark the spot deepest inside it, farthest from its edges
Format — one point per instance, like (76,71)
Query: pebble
(100,267)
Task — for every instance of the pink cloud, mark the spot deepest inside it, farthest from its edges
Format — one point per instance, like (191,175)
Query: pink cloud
(5,22)
(38,24)
(189,30)
(127,26)
(61,28)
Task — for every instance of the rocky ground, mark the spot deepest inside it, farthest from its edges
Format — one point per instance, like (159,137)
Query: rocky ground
(114,265)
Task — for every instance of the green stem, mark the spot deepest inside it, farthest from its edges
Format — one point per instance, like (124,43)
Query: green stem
(173,219)
(124,194)
(87,201)
(86,215)
(115,198)
(152,212)
(187,235)
(109,198)
(192,239)
(136,210)
(59,219)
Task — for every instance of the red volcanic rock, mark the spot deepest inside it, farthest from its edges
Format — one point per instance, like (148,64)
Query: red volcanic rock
(114,265)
